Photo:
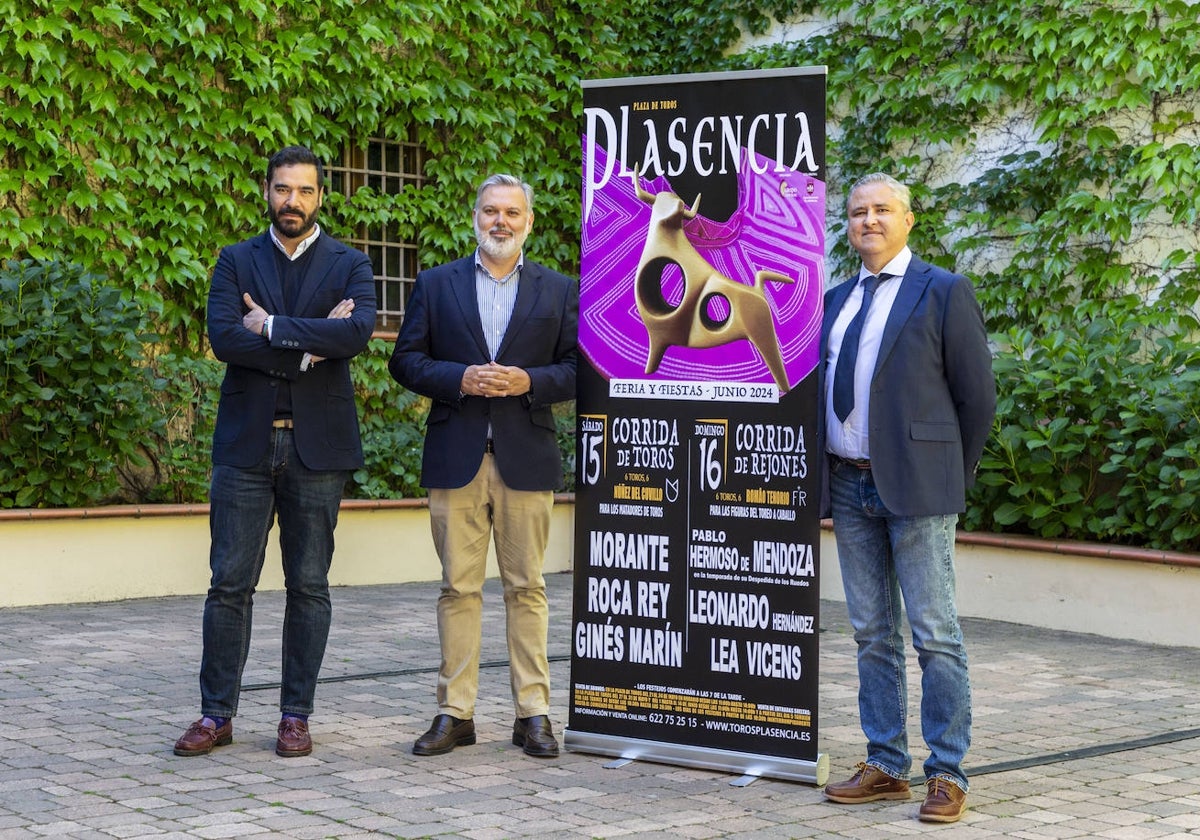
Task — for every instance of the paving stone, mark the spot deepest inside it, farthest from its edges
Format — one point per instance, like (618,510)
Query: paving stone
(92,697)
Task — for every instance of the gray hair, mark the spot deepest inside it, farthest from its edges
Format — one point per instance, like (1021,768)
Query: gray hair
(502,180)
(902,193)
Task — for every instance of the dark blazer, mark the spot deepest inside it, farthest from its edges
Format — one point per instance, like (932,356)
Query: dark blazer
(323,407)
(442,335)
(933,393)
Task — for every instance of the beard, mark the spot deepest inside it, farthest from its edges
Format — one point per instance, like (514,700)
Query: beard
(292,223)
(500,247)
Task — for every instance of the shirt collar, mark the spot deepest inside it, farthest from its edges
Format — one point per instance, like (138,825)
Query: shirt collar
(897,266)
(304,245)
(479,266)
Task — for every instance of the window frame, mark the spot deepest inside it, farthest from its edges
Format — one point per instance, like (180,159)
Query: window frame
(387,166)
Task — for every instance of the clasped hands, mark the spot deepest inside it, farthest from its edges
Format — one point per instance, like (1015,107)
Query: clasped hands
(495,380)
(256,317)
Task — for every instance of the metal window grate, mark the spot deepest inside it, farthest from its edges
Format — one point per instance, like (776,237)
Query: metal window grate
(386,167)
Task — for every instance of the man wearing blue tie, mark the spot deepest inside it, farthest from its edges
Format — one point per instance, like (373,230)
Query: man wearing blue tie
(909,405)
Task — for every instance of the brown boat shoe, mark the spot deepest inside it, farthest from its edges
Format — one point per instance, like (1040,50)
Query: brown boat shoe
(202,736)
(294,740)
(944,802)
(867,785)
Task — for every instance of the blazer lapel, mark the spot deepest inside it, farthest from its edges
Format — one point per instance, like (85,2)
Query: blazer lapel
(528,290)
(323,254)
(462,285)
(912,287)
(837,299)
(270,290)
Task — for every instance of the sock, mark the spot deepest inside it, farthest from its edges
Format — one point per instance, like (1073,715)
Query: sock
(218,722)
(301,718)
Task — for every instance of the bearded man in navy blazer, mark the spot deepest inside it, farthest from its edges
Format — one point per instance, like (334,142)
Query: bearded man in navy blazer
(490,339)
(908,409)
(286,312)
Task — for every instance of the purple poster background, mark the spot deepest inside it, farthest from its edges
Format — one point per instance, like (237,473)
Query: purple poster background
(778,225)
(695,607)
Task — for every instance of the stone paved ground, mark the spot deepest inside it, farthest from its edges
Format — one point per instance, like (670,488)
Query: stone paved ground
(1075,736)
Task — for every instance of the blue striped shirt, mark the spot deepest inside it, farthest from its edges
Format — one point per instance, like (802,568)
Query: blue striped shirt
(496,297)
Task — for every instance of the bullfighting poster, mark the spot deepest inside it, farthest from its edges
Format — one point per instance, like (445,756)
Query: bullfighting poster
(696,596)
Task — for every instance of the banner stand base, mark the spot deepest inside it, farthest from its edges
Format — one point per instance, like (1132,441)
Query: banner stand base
(749,766)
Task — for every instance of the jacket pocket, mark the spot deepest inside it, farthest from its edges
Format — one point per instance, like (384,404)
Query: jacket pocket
(543,417)
(342,429)
(931,430)
(439,412)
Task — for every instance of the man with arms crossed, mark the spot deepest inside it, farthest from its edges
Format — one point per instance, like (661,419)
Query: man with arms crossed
(286,312)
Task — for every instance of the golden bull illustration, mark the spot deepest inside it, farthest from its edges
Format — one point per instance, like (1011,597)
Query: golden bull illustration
(691,322)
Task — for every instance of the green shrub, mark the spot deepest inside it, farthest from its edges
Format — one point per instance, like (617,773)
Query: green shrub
(564,419)
(1052,159)
(1097,435)
(393,429)
(77,393)
(178,453)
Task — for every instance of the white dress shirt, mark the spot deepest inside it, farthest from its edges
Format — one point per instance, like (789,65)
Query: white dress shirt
(850,439)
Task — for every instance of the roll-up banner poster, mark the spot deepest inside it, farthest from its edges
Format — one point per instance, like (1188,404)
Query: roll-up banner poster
(694,631)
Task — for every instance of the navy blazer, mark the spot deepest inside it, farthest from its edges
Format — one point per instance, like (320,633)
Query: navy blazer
(442,335)
(323,408)
(933,392)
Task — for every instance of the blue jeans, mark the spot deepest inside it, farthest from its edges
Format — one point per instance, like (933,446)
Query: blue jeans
(882,556)
(244,504)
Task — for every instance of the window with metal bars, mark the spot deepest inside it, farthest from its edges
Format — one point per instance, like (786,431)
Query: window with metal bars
(387,167)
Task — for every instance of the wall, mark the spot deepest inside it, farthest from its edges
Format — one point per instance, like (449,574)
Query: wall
(1147,596)
(110,554)
(107,554)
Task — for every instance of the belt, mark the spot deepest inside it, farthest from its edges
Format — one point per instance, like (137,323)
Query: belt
(284,423)
(489,447)
(857,463)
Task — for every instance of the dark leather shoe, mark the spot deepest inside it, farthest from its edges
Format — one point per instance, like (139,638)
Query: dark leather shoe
(535,736)
(446,733)
(944,801)
(294,740)
(202,736)
(867,785)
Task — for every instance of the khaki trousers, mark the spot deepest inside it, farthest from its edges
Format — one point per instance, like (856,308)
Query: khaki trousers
(462,519)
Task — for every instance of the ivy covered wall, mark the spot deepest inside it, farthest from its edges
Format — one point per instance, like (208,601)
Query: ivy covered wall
(1053,158)
(1054,155)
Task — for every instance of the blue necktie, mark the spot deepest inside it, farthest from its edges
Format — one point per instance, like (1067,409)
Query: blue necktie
(843,376)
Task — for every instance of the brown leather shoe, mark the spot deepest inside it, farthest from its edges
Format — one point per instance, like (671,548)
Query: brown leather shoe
(535,736)
(202,736)
(446,733)
(867,785)
(294,740)
(944,802)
